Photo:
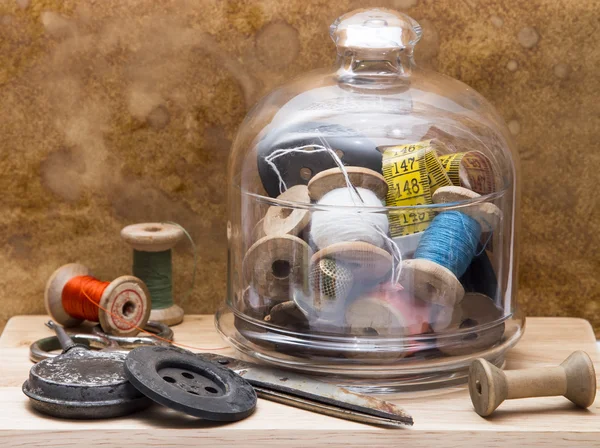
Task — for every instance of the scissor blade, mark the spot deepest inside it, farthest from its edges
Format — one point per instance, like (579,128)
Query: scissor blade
(327,409)
(308,393)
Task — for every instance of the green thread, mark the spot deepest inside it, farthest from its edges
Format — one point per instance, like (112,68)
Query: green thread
(195,252)
(155,269)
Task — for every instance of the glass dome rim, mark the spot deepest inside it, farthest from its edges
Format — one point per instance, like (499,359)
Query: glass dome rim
(374,209)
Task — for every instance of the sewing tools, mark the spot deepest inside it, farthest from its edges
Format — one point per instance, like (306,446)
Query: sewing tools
(447,247)
(84,384)
(575,379)
(152,263)
(331,282)
(305,392)
(72,295)
(280,220)
(275,264)
(413,173)
(472,170)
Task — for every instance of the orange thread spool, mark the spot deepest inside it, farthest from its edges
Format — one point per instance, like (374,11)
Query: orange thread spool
(73,295)
(81,297)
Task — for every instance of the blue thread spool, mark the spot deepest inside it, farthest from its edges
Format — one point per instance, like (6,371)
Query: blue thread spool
(447,248)
(450,241)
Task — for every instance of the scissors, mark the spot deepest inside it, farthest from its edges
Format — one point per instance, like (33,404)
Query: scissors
(307,393)
(48,347)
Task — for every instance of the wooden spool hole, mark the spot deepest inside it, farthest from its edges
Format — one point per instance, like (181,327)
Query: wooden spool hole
(281,269)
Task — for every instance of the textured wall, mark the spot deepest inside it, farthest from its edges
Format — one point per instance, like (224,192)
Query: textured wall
(114,112)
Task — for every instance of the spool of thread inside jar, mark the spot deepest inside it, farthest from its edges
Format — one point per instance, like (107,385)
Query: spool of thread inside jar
(336,226)
(451,241)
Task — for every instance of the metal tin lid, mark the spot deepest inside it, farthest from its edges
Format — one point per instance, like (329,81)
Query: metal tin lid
(83,384)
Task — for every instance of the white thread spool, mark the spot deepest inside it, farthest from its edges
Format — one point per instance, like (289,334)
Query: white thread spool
(330,227)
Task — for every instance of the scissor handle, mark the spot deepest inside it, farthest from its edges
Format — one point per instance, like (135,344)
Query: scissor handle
(163,332)
(44,348)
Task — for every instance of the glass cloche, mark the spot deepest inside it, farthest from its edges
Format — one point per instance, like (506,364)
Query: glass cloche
(373,209)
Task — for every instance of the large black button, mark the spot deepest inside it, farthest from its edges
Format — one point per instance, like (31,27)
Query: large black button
(182,381)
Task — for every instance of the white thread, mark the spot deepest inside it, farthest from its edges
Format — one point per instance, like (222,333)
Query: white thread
(306,149)
(330,227)
(374,228)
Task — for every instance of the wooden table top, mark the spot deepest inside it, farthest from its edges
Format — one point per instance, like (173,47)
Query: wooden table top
(441,419)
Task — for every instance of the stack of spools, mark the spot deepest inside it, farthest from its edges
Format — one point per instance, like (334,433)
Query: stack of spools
(123,306)
(330,258)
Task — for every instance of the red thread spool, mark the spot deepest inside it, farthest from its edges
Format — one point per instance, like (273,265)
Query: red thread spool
(72,295)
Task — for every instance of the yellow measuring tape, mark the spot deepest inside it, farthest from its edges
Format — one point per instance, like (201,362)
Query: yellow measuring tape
(414,172)
(477,172)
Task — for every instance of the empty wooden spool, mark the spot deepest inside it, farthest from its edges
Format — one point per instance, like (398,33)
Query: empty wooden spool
(575,379)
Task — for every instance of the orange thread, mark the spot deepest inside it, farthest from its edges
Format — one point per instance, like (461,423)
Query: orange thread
(91,301)
(74,293)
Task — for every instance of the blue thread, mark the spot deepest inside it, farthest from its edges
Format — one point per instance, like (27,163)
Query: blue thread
(451,241)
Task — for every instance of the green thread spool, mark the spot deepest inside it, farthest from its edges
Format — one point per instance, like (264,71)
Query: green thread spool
(152,263)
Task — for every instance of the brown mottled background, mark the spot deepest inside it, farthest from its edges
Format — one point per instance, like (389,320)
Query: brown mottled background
(114,112)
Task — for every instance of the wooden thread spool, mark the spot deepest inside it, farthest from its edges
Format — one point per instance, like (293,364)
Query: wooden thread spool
(367,262)
(575,379)
(461,336)
(333,178)
(435,283)
(275,265)
(280,220)
(124,305)
(156,237)
(388,311)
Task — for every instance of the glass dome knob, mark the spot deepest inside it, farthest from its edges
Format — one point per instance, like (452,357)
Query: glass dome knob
(382,29)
